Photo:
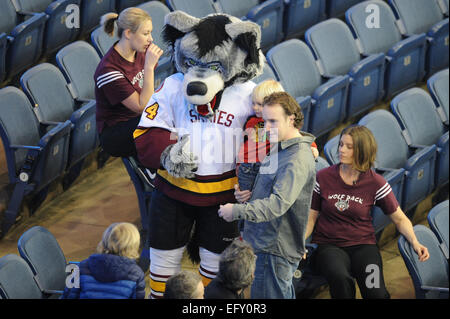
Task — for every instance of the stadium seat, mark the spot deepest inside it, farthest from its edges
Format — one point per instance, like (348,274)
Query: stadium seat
(196,8)
(336,53)
(78,62)
(337,8)
(418,16)
(394,177)
(421,125)
(267,14)
(438,88)
(17,280)
(157,11)
(143,184)
(57,31)
(3,47)
(102,41)
(299,15)
(439,224)
(24,38)
(405,59)
(91,12)
(267,74)
(323,102)
(46,88)
(430,278)
(395,153)
(123,4)
(443,4)
(34,160)
(39,248)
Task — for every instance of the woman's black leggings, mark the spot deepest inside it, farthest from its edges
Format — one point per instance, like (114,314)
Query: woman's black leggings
(117,140)
(340,265)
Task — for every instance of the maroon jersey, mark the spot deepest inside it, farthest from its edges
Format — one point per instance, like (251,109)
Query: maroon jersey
(115,80)
(344,210)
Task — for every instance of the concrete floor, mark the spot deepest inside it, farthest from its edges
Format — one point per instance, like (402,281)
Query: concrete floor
(78,217)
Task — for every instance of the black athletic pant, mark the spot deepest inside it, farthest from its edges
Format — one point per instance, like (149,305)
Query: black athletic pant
(117,140)
(340,265)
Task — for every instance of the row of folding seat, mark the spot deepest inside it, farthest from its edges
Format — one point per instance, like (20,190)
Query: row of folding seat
(343,71)
(31,29)
(413,151)
(430,278)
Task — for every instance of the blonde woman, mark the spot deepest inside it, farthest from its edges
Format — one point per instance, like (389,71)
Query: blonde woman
(124,79)
(112,273)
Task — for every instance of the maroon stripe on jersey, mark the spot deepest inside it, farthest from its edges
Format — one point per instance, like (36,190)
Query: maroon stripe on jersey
(150,146)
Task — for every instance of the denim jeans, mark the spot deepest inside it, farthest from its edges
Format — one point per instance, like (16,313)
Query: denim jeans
(247,175)
(273,278)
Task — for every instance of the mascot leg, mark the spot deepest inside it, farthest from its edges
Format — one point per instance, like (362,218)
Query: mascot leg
(209,265)
(164,263)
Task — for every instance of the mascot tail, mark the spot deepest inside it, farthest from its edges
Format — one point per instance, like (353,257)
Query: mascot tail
(193,247)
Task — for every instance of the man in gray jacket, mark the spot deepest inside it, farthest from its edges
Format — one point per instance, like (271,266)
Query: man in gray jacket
(276,214)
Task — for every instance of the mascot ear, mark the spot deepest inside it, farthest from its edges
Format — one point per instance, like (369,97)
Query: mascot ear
(247,36)
(176,25)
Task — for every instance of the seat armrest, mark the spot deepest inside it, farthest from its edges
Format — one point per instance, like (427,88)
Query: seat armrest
(371,62)
(406,45)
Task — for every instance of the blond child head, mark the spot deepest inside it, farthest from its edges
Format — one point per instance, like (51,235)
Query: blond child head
(262,90)
(121,239)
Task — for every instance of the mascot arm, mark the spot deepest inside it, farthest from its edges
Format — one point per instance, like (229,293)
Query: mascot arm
(151,144)
(178,160)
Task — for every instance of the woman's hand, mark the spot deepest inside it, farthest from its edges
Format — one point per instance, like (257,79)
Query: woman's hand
(241,196)
(152,56)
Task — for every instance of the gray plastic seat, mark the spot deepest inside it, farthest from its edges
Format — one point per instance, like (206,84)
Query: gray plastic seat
(439,224)
(438,88)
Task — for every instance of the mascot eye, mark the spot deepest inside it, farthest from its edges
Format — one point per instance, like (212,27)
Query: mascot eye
(215,67)
(190,62)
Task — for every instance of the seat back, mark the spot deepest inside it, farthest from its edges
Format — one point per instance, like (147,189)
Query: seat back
(236,8)
(32,5)
(438,87)
(417,16)
(102,41)
(269,16)
(3,47)
(416,113)
(333,46)
(196,8)
(337,8)
(91,12)
(432,272)
(299,15)
(268,74)
(321,163)
(39,248)
(379,38)
(123,4)
(78,62)
(294,65)
(8,16)
(18,126)
(331,151)
(17,280)
(392,148)
(47,90)
(439,223)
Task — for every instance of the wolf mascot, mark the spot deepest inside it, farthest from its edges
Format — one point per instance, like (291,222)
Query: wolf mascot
(190,133)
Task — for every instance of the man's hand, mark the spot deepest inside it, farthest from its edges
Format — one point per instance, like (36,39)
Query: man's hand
(422,251)
(178,160)
(226,212)
(241,196)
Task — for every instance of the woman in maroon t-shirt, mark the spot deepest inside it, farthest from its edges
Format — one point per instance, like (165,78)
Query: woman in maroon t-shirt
(340,217)
(124,79)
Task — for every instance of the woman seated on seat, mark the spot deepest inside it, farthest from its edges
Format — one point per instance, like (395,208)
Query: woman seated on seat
(124,80)
(341,223)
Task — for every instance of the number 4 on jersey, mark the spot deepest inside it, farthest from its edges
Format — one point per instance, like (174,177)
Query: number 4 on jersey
(152,111)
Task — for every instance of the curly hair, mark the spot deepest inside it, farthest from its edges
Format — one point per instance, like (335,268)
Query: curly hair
(289,105)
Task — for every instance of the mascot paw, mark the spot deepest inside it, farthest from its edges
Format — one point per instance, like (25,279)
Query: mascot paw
(178,160)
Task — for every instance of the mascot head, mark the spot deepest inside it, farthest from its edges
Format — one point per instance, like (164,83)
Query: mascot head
(213,53)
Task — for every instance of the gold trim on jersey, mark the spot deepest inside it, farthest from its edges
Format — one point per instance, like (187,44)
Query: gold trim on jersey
(199,187)
(138,132)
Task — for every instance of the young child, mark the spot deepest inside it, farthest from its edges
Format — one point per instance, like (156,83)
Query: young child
(113,272)
(256,146)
